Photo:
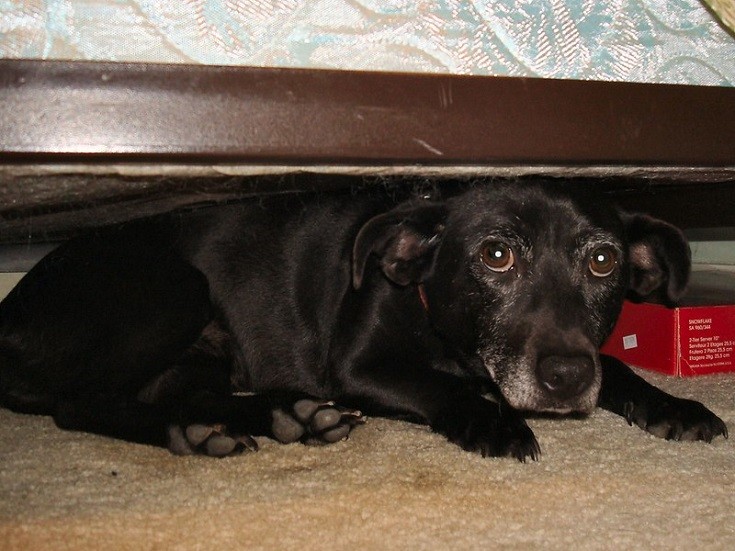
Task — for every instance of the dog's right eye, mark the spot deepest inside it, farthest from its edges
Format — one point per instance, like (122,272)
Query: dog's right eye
(603,262)
(497,256)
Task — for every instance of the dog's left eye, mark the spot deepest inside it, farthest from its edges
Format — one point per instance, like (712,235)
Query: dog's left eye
(603,262)
(497,256)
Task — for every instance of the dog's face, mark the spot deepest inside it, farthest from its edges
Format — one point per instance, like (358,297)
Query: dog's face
(544,282)
(528,279)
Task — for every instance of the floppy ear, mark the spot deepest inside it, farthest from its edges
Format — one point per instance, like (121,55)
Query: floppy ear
(403,240)
(660,259)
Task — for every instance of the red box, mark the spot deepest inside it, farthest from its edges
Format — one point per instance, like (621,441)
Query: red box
(696,338)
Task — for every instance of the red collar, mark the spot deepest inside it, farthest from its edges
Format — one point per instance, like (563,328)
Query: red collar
(422,296)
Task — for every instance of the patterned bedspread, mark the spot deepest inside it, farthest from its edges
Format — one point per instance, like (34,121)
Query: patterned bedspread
(669,41)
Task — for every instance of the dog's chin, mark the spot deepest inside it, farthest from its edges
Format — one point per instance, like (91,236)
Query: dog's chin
(539,401)
(581,409)
(553,408)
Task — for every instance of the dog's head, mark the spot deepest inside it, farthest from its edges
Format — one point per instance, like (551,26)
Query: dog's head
(529,279)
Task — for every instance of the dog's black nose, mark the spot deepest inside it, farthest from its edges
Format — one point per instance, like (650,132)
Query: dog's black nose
(565,377)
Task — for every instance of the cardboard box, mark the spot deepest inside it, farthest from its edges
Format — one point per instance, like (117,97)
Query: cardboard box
(696,338)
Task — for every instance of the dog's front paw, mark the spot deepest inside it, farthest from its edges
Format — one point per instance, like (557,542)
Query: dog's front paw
(212,440)
(485,427)
(675,419)
(314,422)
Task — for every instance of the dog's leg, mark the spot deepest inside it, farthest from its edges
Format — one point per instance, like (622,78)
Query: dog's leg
(190,416)
(118,416)
(450,405)
(159,425)
(284,416)
(208,422)
(625,393)
(204,417)
(92,324)
(486,424)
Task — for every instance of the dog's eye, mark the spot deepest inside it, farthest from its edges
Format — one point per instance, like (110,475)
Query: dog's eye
(497,256)
(603,262)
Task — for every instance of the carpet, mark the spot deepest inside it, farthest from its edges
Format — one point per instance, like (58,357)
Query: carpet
(599,484)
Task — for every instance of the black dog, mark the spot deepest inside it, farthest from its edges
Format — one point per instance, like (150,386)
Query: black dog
(459,313)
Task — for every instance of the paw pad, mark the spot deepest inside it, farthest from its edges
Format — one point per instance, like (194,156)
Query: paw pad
(314,422)
(210,440)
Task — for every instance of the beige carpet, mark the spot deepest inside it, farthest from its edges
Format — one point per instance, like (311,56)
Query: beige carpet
(599,485)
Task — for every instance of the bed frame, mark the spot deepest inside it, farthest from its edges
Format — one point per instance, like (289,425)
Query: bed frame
(85,143)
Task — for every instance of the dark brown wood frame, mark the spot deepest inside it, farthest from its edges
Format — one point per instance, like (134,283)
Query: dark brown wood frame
(96,112)
(84,114)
